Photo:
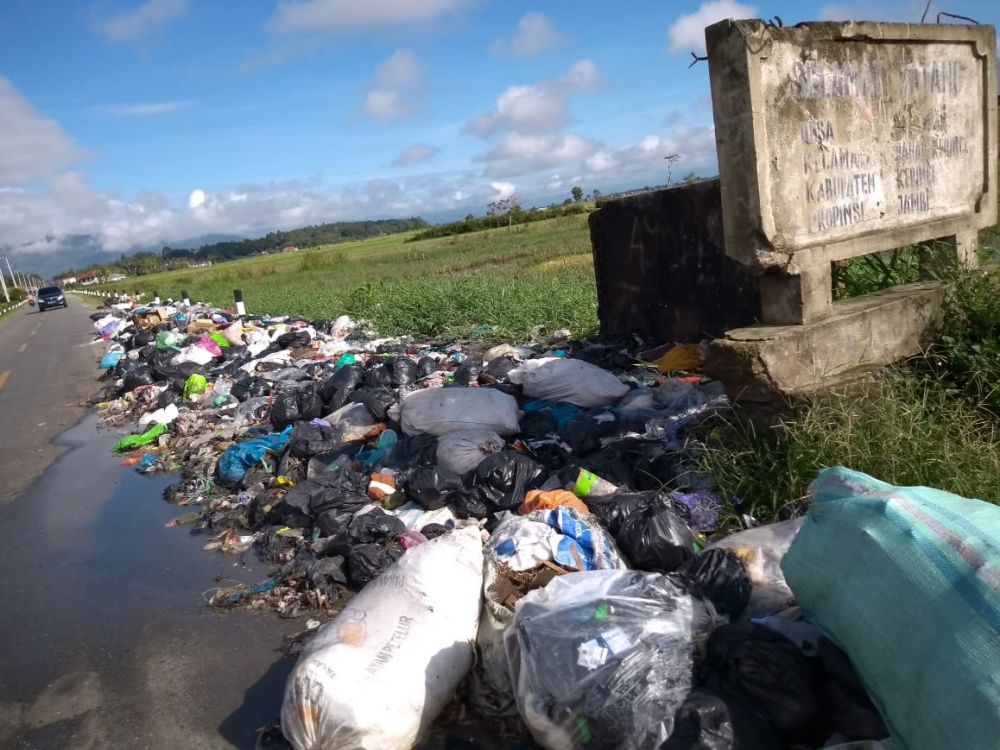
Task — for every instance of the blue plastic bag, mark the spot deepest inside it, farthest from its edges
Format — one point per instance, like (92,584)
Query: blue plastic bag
(111,359)
(238,459)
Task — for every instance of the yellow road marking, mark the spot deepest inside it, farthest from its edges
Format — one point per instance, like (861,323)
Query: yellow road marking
(23,346)
(3,378)
(34,332)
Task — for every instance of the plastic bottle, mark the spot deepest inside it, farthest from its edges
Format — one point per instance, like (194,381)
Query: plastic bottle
(588,484)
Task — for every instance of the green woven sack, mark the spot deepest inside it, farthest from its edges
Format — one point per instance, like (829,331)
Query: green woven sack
(907,581)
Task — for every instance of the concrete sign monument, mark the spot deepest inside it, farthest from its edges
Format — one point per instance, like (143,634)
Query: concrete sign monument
(843,139)
(837,140)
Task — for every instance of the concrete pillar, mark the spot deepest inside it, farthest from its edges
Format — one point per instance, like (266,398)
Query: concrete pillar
(940,259)
(794,300)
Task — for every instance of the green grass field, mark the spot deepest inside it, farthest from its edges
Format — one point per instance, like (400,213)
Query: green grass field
(512,279)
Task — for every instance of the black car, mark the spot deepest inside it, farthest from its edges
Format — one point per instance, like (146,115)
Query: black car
(50,296)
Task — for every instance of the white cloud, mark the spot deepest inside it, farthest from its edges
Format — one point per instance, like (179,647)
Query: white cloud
(521,154)
(384,104)
(142,20)
(687,33)
(351,15)
(415,154)
(538,108)
(646,159)
(32,146)
(583,76)
(502,190)
(535,34)
(143,109)
(396,87)
(197,198)
(399,69)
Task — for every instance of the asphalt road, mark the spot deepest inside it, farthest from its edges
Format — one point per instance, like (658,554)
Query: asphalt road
(106,638)
(47,371)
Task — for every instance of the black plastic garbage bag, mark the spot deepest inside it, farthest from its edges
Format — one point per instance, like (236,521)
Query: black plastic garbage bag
(276,546)
(141,339)
(246,388)
(177,374)
(404,372)
(497,370)
(378,376)
(468,372)
(707,721)
(310,439)
(167,396)
(470,503)
(612,510)
(427,366)
(137,376)
(374,526)
(583,432)
(344,491)
(376,400)
(433,486)
(720,577)
(538,424)
(701,723)
(318,574)
(294,339)
(367,561)
(656,538)
(336,390)
(413,451)
(852,713)
(295,406)
(506,476)
(763,669)
(433,531)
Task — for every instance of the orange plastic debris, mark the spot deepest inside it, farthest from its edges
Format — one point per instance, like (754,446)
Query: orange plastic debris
(538,500)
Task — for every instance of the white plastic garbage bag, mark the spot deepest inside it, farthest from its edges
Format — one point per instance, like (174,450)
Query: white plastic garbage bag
(166,415)
(462,451)
(568,380)
(378,674)
(439,411)
(192,353)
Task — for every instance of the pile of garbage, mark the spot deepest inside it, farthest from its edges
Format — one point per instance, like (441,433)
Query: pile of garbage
(331,451)
(516,535)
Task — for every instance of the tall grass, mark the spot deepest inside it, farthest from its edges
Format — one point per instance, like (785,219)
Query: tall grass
(453,307)
(900,427)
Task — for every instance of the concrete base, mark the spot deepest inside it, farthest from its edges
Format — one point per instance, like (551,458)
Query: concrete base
(771,364)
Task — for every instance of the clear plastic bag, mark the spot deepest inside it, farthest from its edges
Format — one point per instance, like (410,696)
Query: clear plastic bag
(761,549)
(604,659)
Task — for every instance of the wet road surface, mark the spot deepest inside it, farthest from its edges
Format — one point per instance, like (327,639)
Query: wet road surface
(106,638)
(47,371)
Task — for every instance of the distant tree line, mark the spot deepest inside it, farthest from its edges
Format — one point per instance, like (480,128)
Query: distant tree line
(170,258)
(321,234)
(506,212)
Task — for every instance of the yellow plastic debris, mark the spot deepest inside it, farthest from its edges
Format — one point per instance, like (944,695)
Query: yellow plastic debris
(682,358)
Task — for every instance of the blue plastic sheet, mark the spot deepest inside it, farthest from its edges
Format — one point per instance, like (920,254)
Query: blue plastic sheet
(237,460)
(561,412)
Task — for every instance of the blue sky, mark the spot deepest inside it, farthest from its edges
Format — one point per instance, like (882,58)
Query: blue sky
(149,122)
